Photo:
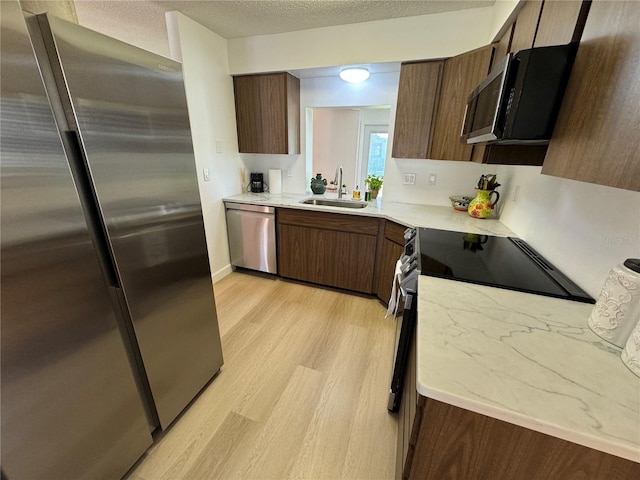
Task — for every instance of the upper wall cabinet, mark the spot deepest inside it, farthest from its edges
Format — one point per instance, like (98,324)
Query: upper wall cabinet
(432,97)
(596,136)
(561,22)
(461,75)
(502,45)
(541,24)
(417,100)
(524,28)
(268,113)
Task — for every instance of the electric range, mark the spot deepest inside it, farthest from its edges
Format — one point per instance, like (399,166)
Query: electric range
(503,262)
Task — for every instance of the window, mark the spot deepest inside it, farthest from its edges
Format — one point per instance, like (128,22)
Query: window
(374,152)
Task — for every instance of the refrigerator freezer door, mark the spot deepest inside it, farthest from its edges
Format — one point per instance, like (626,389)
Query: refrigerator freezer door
(131,116)
(70,406)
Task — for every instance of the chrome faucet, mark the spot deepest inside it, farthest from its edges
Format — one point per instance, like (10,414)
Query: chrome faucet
(338,180)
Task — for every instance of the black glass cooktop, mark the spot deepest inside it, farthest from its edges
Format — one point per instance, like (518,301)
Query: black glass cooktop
(503,262)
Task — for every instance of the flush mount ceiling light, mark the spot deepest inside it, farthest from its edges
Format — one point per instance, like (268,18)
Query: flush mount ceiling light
(354,74)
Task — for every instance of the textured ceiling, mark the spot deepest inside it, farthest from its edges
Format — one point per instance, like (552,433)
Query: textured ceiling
(243,18)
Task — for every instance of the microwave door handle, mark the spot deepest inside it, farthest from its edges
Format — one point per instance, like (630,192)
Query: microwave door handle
(464,121)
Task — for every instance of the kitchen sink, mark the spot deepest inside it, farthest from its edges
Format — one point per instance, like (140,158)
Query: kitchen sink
(334,203)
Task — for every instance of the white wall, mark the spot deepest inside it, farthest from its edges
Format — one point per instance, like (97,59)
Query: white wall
(335,142)
(582,228)
(452,178)
(212,113)
(399,39)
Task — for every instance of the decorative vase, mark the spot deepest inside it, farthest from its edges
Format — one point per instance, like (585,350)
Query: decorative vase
(481,206)
(374,193)
(318,184)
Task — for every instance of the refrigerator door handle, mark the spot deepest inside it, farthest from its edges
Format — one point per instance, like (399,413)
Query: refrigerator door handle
(93,216)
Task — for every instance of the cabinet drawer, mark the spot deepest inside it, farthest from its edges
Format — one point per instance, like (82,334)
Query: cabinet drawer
(328,221)
(394,232)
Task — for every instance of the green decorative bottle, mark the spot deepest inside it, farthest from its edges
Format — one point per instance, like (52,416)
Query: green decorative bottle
(318,184)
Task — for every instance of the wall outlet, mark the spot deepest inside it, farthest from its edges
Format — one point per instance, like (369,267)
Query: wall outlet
(409,179)
(218,146)
(205,174)
(516,194)
(433,178)
(289,172)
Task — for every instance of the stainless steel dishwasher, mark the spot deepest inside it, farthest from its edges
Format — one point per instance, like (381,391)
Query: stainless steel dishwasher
(251,232)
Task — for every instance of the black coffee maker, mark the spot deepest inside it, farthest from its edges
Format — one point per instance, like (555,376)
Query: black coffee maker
(256,185)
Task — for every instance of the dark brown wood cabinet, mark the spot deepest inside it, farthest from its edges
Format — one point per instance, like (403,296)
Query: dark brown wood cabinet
(432,98)
(596,136)
(455,443)
(437,440)
(502,45)
(509,154)
(418,92)
(525,26)
(268,113)
(561,22)
(392,248)
(461,75)
(329,249)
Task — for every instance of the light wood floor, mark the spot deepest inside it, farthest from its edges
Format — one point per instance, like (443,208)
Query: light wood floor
(302,393)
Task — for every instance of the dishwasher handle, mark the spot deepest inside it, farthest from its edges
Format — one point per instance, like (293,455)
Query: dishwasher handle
(247,207)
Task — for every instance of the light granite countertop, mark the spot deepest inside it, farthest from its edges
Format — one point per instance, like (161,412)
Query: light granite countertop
(410,215)
(526,359)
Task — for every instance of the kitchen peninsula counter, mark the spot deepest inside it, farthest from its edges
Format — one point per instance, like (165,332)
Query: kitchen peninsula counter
(528,360)
(410,215)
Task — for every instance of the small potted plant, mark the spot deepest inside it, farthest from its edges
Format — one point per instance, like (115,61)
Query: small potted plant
(375,183)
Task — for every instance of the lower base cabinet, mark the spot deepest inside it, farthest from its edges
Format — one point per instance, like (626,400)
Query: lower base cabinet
(440,441)
(392,248)
(328,249)
(455,443)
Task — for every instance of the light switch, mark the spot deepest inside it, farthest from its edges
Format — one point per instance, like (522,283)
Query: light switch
(205,174)
(218,146)
(433,178)
(409,179)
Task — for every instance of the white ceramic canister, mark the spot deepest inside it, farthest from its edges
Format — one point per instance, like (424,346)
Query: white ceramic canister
(631,352)
(617,310)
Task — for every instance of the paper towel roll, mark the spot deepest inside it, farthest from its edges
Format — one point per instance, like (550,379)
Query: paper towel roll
(275,181)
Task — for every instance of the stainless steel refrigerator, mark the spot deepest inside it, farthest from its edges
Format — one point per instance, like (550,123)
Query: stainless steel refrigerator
(108,326)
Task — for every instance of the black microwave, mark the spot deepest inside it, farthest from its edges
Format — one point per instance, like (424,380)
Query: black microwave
(519,101)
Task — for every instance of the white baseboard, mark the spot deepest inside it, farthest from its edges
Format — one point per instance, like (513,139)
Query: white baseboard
(220,274)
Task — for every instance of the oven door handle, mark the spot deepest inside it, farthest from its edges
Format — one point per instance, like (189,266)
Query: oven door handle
(401,355)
